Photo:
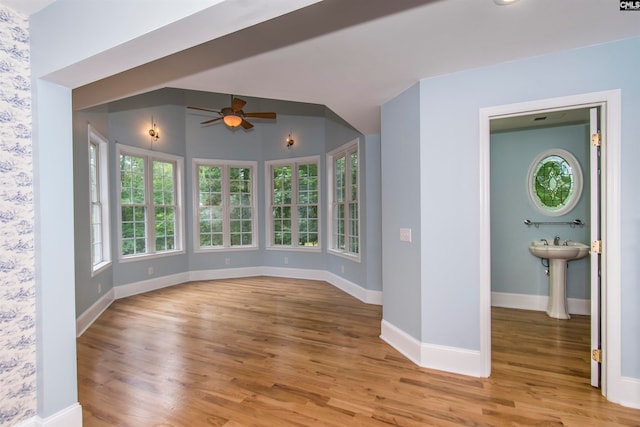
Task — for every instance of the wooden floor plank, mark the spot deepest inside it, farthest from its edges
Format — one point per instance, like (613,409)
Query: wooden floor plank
(285,352)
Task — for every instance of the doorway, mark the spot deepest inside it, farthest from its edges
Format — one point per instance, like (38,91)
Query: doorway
(609,204)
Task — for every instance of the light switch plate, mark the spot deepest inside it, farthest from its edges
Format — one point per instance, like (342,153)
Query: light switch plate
(405,234)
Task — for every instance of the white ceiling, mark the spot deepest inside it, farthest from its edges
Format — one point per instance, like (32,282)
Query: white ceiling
(27,7)
(355,55)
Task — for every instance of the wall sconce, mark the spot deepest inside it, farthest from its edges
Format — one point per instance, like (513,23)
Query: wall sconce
(154,132)
(289,141)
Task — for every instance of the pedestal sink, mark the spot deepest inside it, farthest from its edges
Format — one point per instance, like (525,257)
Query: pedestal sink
(558,256)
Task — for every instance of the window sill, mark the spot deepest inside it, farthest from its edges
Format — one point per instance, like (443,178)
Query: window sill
(349,256)
(295,248)
(99,268)
(225,249)
(133,258)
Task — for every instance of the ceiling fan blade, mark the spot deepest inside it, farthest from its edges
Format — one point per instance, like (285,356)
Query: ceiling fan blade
(211,121)
(245,124)
(261,115)
(203,109)
(237,104)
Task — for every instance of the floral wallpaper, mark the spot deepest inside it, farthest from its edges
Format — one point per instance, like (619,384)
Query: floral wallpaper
(17,264)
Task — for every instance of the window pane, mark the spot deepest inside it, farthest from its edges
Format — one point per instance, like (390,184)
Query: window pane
(93,172)
(308,183)
(353,228)
(165,228)
(340,178)
(354,175)
(282,185)
(133,230)
(132,179)
(308,226)
(210,202)
(163,183)
(211,226)
(338,226)
(282,226)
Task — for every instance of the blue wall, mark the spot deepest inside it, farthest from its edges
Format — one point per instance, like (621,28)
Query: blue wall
(450,194)
(513,268)
(402,205)
(315,130)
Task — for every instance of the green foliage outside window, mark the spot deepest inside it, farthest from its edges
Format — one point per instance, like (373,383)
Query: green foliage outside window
(295,198)
(225,206)
(136,234)
(345,221)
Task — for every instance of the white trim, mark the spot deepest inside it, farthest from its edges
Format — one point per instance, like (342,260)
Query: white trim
(576,191)
(90,315)
(143,286)
(401,341)
(612,385)
(345,149)
(68,417)
(85,320)
(537,302)
(443,358)
(102,165)
(630,392)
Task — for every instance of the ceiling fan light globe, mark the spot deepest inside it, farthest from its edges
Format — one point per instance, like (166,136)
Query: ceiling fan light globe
(232,120)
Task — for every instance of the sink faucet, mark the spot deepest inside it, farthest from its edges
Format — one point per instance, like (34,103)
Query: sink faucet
(545,242)
(556,240)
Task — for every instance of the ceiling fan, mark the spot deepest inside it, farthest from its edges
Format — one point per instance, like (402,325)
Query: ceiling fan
(233,116)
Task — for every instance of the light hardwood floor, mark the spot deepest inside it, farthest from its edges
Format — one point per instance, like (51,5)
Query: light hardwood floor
(285,352)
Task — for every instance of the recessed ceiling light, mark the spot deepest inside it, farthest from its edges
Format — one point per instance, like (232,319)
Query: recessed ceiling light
(503,2)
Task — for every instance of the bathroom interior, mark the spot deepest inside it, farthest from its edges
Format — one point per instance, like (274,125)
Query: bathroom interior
(519,279)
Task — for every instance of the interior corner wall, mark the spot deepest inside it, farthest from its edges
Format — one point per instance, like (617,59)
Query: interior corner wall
(401,206)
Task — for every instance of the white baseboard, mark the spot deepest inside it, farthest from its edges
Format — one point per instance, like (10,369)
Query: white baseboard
(628,393)
(92,313)
(401,341)
(136,288)
(224,273)
(537,302)
(443,358)
(68,417)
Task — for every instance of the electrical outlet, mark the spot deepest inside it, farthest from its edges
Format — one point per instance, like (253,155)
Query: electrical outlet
(150,271)
(286,260)
(227,261)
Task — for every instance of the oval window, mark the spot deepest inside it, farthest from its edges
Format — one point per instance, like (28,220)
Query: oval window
(555,182)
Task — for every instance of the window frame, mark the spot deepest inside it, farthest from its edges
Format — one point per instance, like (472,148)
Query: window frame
(269,196)
(226,215)
(345,151)
(148,157)
(101,145)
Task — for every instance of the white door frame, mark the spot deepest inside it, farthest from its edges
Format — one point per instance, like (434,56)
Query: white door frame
(611,384)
